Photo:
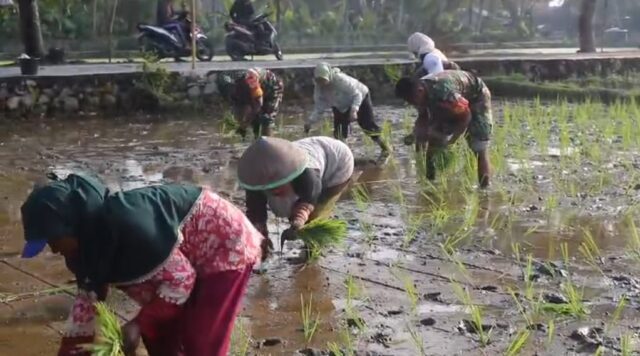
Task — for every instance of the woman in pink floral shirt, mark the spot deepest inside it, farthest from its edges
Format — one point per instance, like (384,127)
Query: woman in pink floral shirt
(182,252)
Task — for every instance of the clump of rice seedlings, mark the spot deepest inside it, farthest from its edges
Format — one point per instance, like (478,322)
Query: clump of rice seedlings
(590,250)
(574,306)
(321,234)
(518,342)
(417,340)
(310,321)
(228,123)
(451,243)
(393,72)
(326,129)
(240,340)
(109,340)
(413,226)
(476,313)
(360,195)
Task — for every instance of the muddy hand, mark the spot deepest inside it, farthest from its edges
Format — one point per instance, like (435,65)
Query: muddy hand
(131,338)
(289,234)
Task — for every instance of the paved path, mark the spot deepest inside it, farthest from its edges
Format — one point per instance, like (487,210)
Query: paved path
(309,60)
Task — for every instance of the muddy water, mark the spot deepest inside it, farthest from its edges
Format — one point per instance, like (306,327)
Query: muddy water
(378,253)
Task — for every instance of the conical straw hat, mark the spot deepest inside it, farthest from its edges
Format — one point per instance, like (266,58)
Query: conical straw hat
(269,163)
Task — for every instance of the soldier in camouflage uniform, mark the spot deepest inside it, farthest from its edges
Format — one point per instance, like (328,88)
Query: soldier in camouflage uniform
(255,95)
(451,104)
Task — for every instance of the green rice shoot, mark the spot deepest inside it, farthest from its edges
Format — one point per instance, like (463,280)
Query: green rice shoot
(109,341)
(321,234)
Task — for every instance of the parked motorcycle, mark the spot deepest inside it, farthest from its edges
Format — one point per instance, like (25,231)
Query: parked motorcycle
(166,42)
(258,39)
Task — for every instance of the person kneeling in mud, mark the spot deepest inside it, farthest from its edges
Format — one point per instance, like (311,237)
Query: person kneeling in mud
(300,180)
(451,104)
(350,101)
(255,96)
(182,252)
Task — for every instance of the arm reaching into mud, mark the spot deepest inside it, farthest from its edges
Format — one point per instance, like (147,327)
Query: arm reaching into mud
(80,328)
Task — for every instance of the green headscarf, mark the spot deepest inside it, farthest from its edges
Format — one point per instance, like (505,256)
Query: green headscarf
(324,70)
(122,237)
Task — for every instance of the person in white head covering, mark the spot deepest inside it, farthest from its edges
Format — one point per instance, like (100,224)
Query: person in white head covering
(432,60)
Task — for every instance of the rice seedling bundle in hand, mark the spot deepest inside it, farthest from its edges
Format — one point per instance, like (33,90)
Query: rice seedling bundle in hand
(109,341)
(322,233)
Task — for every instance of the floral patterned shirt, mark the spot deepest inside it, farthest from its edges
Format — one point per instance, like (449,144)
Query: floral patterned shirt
(216,237)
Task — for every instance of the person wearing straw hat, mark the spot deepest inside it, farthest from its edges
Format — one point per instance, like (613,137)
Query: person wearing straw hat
(181,252)
(350,101)
(255,95)
(432,60)
(298,180)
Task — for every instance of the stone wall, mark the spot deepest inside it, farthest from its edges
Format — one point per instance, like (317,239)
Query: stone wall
(156,90)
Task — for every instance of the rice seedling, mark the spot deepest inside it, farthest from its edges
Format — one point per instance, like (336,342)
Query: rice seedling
(551,332)
(360,195)
(413,227)
(574,307)
(475,310)
(12,297)
(417,340)
(634,238)
(409,287)
(320,234)
(240,340)
(617,313)
(345,345)
(518,342)
(310,320)
(625,345)
(590,250)
(109,340)
(451,243)
(353,289)
(528,278)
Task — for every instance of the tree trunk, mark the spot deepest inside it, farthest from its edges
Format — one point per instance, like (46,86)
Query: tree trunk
(585,26)
(517,21)
(480,22)
(278,15)
(94,20)
(30,28)
(111,23)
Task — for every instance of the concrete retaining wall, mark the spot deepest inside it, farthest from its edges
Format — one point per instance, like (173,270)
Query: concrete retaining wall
(157,90)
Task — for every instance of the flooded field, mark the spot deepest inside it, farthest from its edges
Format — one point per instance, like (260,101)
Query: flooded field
(544,262)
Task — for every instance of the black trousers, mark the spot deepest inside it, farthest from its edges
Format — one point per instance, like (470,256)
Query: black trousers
(366,120)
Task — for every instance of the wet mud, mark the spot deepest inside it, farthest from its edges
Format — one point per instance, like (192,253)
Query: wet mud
(428,268)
